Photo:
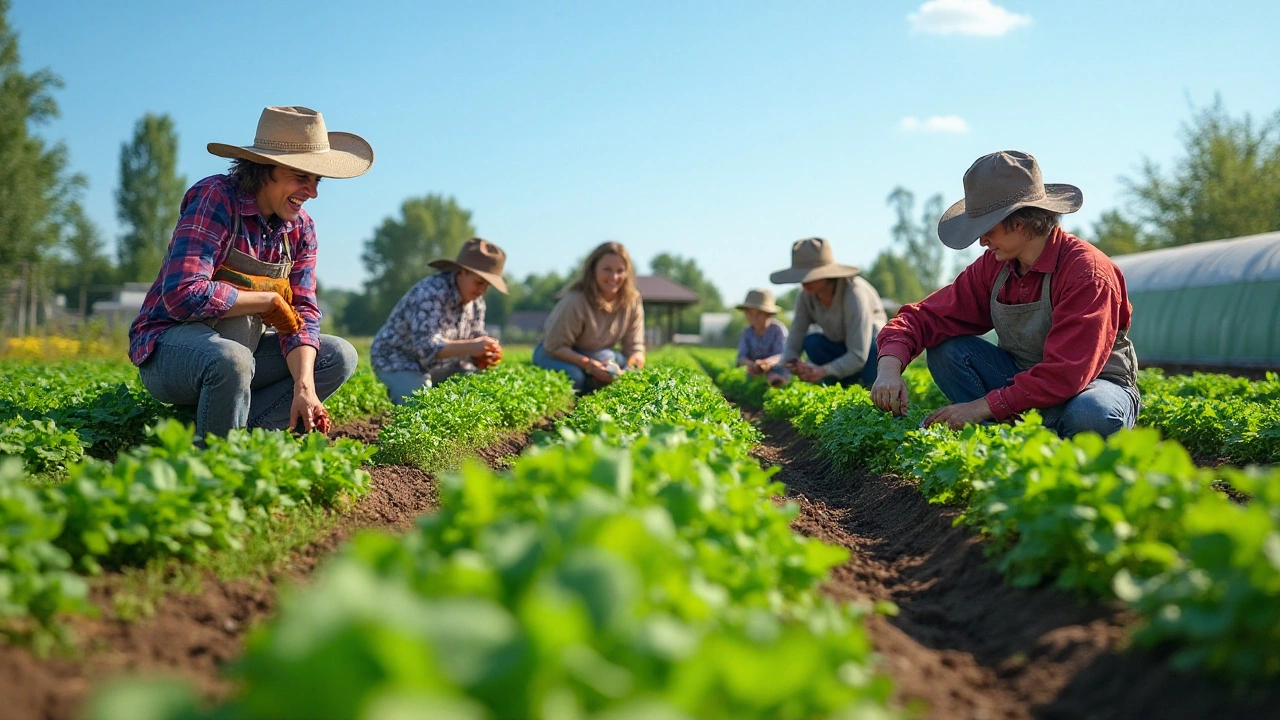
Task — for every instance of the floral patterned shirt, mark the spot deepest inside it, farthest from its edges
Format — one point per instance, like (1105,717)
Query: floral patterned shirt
(429,314)
(759,347)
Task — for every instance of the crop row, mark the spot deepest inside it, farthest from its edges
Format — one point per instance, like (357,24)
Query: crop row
(1216,417)
(163,499)
(1131,516)
(638,569)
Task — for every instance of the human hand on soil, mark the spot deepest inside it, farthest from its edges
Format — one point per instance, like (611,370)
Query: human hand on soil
(282,316)
(960,414)
(307,412)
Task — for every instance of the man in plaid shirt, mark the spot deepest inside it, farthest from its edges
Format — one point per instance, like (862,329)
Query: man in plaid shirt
(242,259)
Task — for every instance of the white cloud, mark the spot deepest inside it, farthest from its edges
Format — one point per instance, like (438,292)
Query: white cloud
(950,124)
(965,17)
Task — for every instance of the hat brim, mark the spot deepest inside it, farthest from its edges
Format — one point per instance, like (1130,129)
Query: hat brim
(348,156)
(771,309)
(804,275)
(494,280)
(958,231)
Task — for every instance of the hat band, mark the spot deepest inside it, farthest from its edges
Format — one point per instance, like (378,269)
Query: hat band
(291,146)
(1031,193)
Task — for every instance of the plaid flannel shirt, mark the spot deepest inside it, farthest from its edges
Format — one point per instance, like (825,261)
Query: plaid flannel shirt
(184,290)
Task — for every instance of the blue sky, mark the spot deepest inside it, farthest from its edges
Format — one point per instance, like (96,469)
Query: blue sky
(718,130)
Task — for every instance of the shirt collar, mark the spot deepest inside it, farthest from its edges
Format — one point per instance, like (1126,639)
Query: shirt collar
(1048,260)
(249,207)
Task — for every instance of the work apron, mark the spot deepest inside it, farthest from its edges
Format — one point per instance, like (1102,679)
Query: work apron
(247,329)
(1023,329)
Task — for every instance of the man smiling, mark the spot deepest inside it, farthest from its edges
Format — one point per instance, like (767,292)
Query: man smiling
(1058,305)
(242,259)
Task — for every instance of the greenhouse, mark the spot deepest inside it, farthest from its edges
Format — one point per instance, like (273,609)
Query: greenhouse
(1212,303)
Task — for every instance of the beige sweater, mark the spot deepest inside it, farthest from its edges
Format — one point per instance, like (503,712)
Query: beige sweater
(854,318)
(575,325)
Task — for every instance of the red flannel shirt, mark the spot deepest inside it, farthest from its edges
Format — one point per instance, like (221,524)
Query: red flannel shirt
(184,290)
(1090,305)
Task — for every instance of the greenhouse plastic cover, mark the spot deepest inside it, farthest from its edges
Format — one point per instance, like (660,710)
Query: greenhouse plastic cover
(1219,262)
(1211,303)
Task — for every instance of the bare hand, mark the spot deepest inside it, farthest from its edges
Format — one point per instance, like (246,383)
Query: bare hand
(809,372)
(307,412)
(961,414)
(763,366)
(599,372)
(636,362)
(889,393)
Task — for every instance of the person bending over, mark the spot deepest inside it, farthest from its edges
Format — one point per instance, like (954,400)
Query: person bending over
(437,328)
(845,307)
(1058,305)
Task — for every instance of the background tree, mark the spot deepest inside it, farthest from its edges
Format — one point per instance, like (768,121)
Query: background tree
(36,188)
(686,272)
(919,239)
(84,271)
(895,277)
(397,255)
(148,197)
(537,292)
(1227,184)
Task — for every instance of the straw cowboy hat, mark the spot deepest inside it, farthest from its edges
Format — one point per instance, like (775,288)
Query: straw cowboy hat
(295,137)
(811,259)
(480,257)
(759,299)
(995,186)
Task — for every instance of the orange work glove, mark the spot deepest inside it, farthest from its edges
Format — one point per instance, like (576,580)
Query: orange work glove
(259,283)
(282,317)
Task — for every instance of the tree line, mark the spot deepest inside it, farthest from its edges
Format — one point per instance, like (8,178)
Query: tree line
(1226,183)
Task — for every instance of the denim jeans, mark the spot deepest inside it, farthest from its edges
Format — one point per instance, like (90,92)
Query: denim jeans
(822,350)
(579,377)
(968,367)
(230,386)
(403,383)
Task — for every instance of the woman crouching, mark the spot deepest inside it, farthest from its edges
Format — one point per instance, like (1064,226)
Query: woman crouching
(601,310)
(437,328)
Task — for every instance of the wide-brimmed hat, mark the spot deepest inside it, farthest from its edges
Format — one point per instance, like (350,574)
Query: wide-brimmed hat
(759,299)
(997,185)
(295,137)
(812,259)
(480,257)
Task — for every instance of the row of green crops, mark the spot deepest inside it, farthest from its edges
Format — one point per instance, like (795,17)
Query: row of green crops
(1215,416)
(434,424)
(1132,516)
(164,499)
(650,578)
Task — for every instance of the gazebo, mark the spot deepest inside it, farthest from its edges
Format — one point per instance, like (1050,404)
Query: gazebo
(659,292)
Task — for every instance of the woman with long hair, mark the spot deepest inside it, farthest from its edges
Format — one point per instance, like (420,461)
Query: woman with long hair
(601,310)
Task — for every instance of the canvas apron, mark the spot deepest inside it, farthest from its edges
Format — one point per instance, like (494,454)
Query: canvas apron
(247,329)
(1023,329)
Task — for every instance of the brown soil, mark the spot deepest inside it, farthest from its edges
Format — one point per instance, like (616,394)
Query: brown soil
(194,636)
(964,642)
(366,431)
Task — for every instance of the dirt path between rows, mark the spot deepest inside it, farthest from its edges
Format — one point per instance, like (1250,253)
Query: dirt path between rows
(964,642)
(193,636)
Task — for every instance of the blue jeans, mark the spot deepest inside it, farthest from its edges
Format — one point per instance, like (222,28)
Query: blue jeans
(579,377)
(403,383)
(968,367)
(232,387)
(822,350)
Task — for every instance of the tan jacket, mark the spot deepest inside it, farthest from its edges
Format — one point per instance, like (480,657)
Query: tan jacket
(575,324)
